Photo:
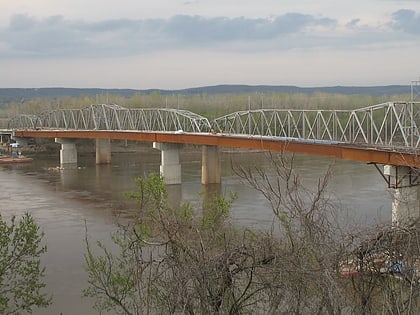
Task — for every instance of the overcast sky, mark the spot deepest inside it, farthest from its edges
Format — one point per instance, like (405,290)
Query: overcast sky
(173,44)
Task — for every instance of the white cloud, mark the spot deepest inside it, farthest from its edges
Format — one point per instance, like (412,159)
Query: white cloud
(56,36)
(180,43)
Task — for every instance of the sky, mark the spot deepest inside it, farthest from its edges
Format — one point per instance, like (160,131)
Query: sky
(175,44)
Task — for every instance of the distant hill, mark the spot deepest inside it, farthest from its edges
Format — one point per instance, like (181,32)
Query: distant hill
(347,90)
(21,94)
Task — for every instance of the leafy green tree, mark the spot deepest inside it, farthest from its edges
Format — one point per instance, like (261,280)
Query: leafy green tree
(189,260)
(175,260)
(21,271)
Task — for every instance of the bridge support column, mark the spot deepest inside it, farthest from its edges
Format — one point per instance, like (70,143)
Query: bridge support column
(210,165)
(170,167)
(68,152)
(103,151)
(4,139)
(406,198)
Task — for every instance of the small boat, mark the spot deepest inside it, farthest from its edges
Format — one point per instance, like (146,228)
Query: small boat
(7,159)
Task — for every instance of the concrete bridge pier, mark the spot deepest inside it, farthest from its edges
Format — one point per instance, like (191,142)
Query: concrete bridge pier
(68,152)
(210,165)
(406,198)
(170,167)
(103,151)
(4,138)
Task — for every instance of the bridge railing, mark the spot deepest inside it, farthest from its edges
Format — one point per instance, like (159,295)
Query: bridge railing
(385,125)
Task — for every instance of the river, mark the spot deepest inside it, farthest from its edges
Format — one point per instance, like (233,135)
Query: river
(63,202)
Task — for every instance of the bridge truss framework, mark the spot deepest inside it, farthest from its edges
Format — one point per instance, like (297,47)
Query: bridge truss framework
(392,125)
(388,125)
(114,117)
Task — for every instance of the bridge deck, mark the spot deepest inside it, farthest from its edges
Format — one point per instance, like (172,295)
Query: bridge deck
(319,148)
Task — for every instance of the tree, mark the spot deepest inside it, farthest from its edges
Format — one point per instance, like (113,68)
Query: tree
(310,243)
(194,261)
(21,272)
(177,260)
(184,261)
(328,268)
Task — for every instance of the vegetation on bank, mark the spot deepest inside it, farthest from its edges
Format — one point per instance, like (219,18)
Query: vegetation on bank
(192,260)
(188,260)
(208,105)
(21,272)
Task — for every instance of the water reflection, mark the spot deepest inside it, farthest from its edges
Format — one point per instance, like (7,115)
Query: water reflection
(174,196)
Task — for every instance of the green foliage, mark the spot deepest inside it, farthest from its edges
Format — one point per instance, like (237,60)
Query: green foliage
(151,192)
(217,210)
(160,253)
(192,261)
(21,272)
(115,279)
(111,280)
(185,213)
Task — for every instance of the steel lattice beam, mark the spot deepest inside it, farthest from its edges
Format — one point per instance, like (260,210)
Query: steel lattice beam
(115,117)
(393,124)
(25,122)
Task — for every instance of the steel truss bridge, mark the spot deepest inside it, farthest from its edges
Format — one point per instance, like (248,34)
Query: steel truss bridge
(391,128)
(391,125)
(114,117)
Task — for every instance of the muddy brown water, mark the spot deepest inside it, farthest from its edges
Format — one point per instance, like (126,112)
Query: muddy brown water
(63,201)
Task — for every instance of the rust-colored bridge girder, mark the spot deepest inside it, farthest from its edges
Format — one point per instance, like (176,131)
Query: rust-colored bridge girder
(326,149)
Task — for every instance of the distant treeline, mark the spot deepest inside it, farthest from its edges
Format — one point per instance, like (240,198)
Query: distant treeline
(211,101)
(22,94)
